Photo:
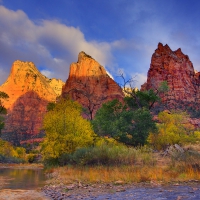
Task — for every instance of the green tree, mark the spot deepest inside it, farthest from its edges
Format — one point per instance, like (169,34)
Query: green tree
(51,106)
(129,126)
(3,97)
(145,99)
(65,130)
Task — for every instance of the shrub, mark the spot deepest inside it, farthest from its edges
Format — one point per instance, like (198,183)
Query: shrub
(108,154)
(173,129)
(185,161)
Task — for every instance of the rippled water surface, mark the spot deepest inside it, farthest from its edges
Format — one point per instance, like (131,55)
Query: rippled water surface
(22,178)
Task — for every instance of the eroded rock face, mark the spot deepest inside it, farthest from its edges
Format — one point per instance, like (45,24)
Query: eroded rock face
(90,85)
(177,69)
(29,93)
(24,77)
(24,121)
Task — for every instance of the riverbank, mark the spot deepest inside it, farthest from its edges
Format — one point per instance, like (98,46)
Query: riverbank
(104,182)
(21,182)
(21,166)
(120,191)
(8,194)
(148,175)
(151,172)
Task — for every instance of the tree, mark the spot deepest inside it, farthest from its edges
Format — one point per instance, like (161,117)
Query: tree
(51,106)
(115,119)
(65,130)
(173,128)
(8,150)
(3,97)
(142,99)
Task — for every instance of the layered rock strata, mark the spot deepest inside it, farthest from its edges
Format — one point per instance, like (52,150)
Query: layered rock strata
(89,84)
(177,69)
(29,93)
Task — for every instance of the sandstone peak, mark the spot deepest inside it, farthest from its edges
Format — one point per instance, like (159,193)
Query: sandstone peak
(21,66)
(24,77)
(56,85)
(29,93)
(163,48)
(176,68)
(82,55)
(86,66)
(89,83)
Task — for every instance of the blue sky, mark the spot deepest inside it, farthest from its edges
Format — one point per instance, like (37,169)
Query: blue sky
(119,34)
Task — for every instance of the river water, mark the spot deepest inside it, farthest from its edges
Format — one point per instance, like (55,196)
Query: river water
(28,179)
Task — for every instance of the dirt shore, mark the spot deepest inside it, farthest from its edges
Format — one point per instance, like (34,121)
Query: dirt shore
(7,194)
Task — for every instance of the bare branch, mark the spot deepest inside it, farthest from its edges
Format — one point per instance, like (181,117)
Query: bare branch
(130,90)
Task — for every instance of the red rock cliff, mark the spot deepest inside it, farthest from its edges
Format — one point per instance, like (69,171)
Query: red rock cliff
(90,85)
(177,69)
(29,92)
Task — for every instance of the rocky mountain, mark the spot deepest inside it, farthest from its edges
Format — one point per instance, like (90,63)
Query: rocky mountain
(89,84)
(176,68)
(24,77)
(29,93)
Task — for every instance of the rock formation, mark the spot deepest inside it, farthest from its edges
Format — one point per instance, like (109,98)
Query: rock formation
(90,85)
(24,121)
(24,77)
(29,93)
(177,69)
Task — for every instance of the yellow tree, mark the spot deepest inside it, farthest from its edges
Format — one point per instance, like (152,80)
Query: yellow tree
(65,130)
(172,128)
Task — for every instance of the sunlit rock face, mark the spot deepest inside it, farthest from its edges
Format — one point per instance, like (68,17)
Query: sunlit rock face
(29,93)
(24,77)
(89,84)
(177,69)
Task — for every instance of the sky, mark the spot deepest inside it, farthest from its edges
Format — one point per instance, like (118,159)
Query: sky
(121,35)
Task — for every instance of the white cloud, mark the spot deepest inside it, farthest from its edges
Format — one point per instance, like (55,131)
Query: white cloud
(139,79)
(47,73)
(46,43)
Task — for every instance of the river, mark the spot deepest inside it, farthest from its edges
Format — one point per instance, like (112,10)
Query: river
(18,184)
(21,178)
(21,183)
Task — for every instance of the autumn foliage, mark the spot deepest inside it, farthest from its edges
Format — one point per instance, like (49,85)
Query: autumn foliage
(65,130)
(173,128)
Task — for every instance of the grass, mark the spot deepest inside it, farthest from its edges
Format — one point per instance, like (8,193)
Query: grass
(144,167)
(126,174)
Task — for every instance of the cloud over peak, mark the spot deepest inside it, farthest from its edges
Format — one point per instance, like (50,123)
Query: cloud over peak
(50,44)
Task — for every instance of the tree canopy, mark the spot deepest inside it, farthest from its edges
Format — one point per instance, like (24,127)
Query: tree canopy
(117,120)
(65,130)
(173,128)
(3,97)
(145,99)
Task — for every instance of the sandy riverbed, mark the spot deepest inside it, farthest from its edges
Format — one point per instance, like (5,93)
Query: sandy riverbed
(7,194)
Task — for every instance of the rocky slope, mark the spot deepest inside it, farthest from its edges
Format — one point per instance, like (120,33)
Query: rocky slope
(90,85)
(29,92)
(24,77)
(177,69)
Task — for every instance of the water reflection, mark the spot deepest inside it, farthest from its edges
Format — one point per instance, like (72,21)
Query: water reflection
(21,178)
